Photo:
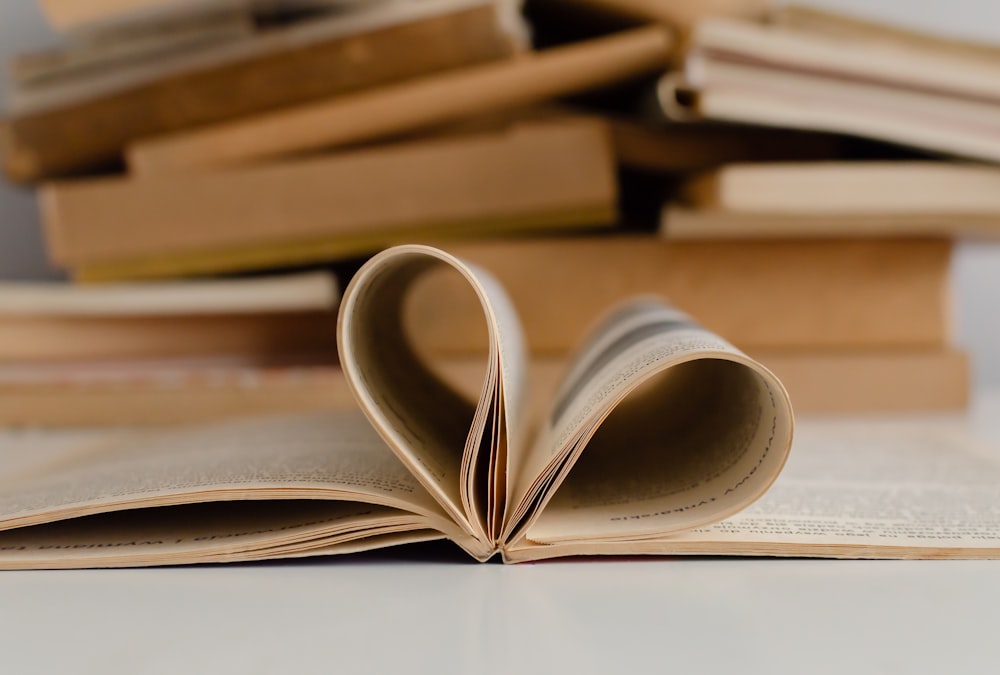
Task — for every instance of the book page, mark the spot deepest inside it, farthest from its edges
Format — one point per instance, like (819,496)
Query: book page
(210,532)
(853,488)
(30,450)
(331,456)
(660,426)
(874,489)
(456,448)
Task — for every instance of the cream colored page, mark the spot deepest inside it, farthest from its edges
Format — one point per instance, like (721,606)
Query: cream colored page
(334,454)
(660,427)
(453,446)
(425,423)
(632,341)
(30,450)
(509,344)
(513,359)
(213,532)
(874,485)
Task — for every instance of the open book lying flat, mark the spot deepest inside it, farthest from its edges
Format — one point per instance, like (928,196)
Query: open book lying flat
(658,441)
(659,427)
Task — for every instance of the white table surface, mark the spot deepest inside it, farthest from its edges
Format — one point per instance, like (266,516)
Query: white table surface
(428,610)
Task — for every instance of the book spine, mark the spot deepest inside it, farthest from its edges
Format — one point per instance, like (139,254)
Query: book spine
(534,176)
(94,132)
(411,106)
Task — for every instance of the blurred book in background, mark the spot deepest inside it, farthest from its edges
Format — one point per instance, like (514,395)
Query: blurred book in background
(81,119)
(179,351)
(544,176)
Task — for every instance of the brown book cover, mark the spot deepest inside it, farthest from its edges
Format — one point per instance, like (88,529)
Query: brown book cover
(535,176)
(947,190)
(263,317)
(843,294)
(92,132)
(407,107)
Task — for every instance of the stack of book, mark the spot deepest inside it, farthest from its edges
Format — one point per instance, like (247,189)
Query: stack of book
(249,145)
(807,69)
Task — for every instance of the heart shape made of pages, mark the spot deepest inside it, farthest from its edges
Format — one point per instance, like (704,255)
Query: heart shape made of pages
(680,428)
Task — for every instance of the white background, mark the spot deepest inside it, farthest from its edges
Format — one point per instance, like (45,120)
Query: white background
(977,269)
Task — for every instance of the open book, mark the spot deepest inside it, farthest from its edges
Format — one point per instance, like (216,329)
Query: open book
(658,427)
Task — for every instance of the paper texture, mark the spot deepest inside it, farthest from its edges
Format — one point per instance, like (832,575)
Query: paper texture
(854,488)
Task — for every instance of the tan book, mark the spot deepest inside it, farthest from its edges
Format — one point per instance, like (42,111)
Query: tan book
(96,16)
(411,106)
(910,92)
(87,123)
(264,42)
(866,382)
(661,439)
(841,294)
(165,392)
(531,177)
(940,189)
(679,222)
(837,199)
(253,318)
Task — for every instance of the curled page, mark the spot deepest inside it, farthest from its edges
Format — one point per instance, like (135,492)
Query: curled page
(458,451)
(659,426)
